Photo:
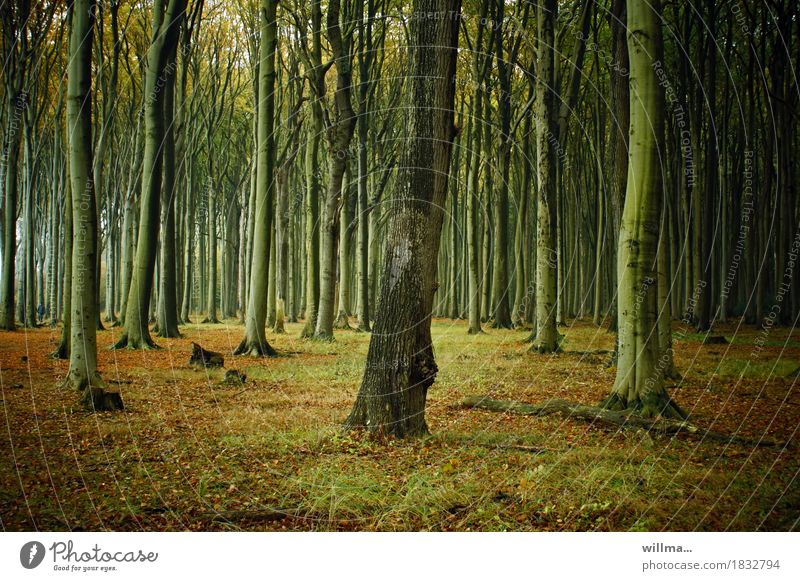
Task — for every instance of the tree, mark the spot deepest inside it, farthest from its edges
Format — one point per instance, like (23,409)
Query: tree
(365,56)
(167,16)
(338,133)
(639,383)
(167,309)
(255,340)
(546,339)
(83,373)
(400,363)
(15,39)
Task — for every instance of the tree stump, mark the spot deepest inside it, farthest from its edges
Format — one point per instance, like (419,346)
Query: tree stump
(100,400)
(234,377)
(201,358)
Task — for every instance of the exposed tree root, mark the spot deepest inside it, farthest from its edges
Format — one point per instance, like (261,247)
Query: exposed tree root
(203,358)
(654,407)
(169,334)
(342,321)
(99,400)
(611,417)
(478,331)
(126,342)
(61,352)
(94,397)
(308,330)
(543,350)
(255,349)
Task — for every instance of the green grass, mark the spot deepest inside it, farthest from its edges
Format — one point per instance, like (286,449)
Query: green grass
(188,447)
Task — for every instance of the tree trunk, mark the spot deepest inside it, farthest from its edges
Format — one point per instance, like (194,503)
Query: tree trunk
(364,64)
(639,385)
(343,316)
(546,340)
(83,374)
(338,136)
(400,364)
(312,225)
(255,339)
(500,282)
(167,311)
(166,23)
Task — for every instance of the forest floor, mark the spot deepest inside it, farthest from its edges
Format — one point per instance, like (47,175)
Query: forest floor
(190,453)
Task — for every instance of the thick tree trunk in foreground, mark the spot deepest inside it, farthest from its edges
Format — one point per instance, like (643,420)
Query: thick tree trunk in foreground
(639,383)
(83,373)
(255,339)
(546,340)
(400,364)
(618,142)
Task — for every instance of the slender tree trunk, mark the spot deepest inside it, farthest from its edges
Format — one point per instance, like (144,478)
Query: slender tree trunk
(281,248)
(166,22)
(211,289)
(255,340)
(15,105)
(546,340)
(364,64)
(167,311)
(639,385)
(500,282)
(343,316)
(83,374)
(63,351)
(312,225)
(338,136)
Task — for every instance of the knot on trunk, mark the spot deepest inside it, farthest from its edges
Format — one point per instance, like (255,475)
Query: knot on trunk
(423,371)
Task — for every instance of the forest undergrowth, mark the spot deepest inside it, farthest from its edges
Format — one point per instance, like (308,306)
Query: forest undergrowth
(194,452)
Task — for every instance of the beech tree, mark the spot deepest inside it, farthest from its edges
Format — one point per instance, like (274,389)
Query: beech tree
(167,16)
(83,374)
(255,341)
(400,365)
(639,383)
(546,338)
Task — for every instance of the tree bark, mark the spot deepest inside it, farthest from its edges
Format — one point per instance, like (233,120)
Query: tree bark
(546,340)
(400,364)
(639,384)
(255,340)
(166,23)
(83,374)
